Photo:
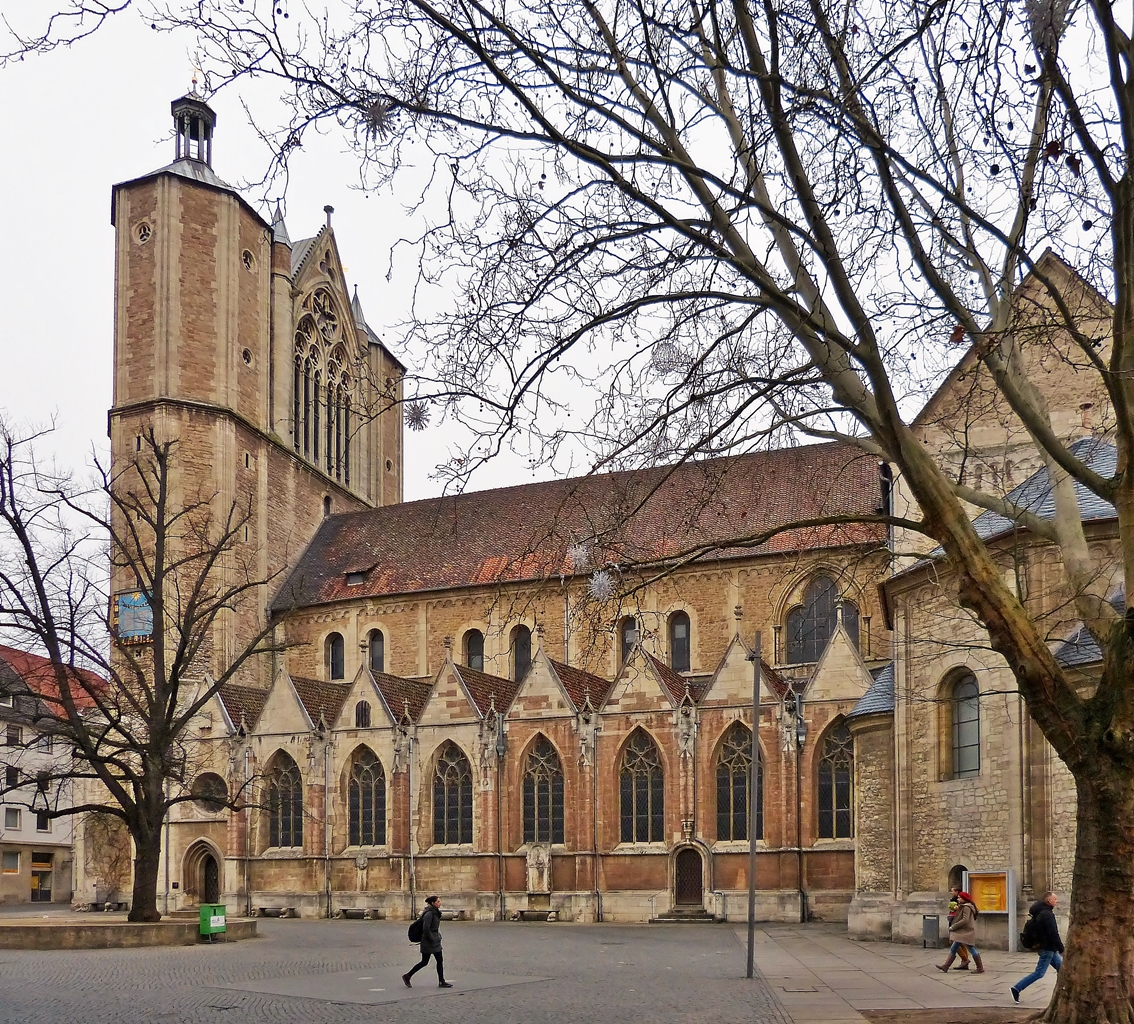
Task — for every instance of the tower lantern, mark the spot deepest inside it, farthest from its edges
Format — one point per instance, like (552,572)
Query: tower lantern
(193,123)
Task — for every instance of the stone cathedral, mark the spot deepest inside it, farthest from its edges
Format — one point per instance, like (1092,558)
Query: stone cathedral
(467,707)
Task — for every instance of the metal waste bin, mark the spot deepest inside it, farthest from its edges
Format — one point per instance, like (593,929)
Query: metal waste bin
(212,919)
(930,931)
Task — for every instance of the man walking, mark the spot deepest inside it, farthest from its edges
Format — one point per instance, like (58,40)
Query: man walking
(1047,942)
(430,942)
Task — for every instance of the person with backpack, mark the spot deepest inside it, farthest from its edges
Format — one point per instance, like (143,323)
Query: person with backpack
(954,902)
(427,931)
(962,932)
(1041,933)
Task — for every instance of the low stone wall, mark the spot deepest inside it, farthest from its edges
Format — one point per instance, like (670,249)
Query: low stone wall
(117,934)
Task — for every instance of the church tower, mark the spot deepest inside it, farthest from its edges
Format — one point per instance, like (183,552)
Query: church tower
(247,349)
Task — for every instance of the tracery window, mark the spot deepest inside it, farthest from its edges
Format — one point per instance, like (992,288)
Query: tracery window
(966,727)
(474,649)
(377,651)
(642,791)
(679,642)
(734,770)
(543,795)
(811,625)
(322,388)
(452,796)
(285,802)
(836,784)
(366,803)
(521,651)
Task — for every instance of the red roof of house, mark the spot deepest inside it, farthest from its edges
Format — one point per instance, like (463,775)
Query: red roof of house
(525,532)
(39,676)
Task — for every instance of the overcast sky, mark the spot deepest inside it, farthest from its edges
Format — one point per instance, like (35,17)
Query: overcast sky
(78,121)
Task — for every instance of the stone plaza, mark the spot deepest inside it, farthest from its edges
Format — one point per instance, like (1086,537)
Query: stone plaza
(341,972)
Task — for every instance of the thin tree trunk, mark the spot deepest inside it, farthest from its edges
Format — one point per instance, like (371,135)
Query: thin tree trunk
(1096,984)
(143,905)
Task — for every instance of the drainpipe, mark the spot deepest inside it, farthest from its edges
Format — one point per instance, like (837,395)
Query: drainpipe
(594,823)
(409,829)
(327,825)
(800,737)
(247,832)
(501,750)
(166,907)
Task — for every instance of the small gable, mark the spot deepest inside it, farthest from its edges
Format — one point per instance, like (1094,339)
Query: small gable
(283,711)
(363,689)
(448,701)
(731,683)
(542,692)
(639,687)
(841,674)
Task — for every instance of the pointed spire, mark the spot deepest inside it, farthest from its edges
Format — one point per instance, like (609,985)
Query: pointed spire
(356,309)
(279,229)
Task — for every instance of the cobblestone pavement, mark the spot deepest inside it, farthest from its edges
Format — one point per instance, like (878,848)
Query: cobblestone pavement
(555,973)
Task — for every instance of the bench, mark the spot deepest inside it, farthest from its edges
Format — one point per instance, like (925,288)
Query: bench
(360,914)
(274,912)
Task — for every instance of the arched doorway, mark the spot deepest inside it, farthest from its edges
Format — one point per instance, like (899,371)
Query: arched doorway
(210,879)
(688,881)
(201,873)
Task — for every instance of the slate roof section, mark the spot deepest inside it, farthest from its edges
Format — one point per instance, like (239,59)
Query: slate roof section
(513,534)
(580,685)
(320,698)
(487,691)
(1036,495)
(1082,648)
(300,251)
(242,702)
(401,694)
(879,699)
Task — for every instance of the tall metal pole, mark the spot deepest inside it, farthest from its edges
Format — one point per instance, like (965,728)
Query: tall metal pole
(752,780)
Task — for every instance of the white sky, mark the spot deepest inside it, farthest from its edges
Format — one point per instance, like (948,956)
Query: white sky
(76,122)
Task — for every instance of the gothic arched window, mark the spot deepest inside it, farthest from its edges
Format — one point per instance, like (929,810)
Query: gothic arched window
(521,651)
(474,649)
(543,795)
(366,802)
(836,784)
(811,625)
(452,796)
(284,802)
(377,651)
(642,791)
(679,642)
(734,770)
(336,656)
(362,715)
(966,727)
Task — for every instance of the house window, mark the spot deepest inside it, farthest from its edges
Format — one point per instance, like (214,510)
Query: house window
(10,862)
(7,700)
(452,797)
(14,736)
(734,771)
(966,727)
(367,801)
(12,818)
(543,795)
(42,821)
(642,791)
(336,656)
(11,775)
(521,651)
(474,649)
(836,773)
(377,651)
(811,625)
(362,715)
(679,642)
(285,803)
(627,637)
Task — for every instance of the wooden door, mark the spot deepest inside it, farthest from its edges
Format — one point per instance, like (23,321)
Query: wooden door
(689,886)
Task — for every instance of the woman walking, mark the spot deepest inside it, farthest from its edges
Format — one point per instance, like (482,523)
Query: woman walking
(962,933)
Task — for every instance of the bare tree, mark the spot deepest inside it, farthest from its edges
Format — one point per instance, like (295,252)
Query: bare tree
(737,223)
(42,31)
(132,593)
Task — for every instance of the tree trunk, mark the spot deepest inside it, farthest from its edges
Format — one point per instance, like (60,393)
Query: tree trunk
(147,854)
(1096,984)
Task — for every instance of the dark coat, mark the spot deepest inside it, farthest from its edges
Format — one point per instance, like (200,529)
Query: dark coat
(1047,927)
(431,934)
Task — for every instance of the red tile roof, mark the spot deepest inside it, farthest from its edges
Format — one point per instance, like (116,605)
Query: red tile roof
(242,703)
(580,685)
(487,691)
(401,694)
(38,675)
(321,699)
(524,532)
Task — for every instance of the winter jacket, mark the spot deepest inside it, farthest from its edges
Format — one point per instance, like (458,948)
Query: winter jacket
(1047,927)
(431,935)
(963,928)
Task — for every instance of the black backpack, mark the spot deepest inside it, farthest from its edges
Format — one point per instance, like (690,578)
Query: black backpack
(417,929)
(1029,937)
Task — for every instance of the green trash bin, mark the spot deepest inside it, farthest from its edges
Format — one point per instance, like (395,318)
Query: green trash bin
(212,919)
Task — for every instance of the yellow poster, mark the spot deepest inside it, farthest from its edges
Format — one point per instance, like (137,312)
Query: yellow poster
(990,891)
